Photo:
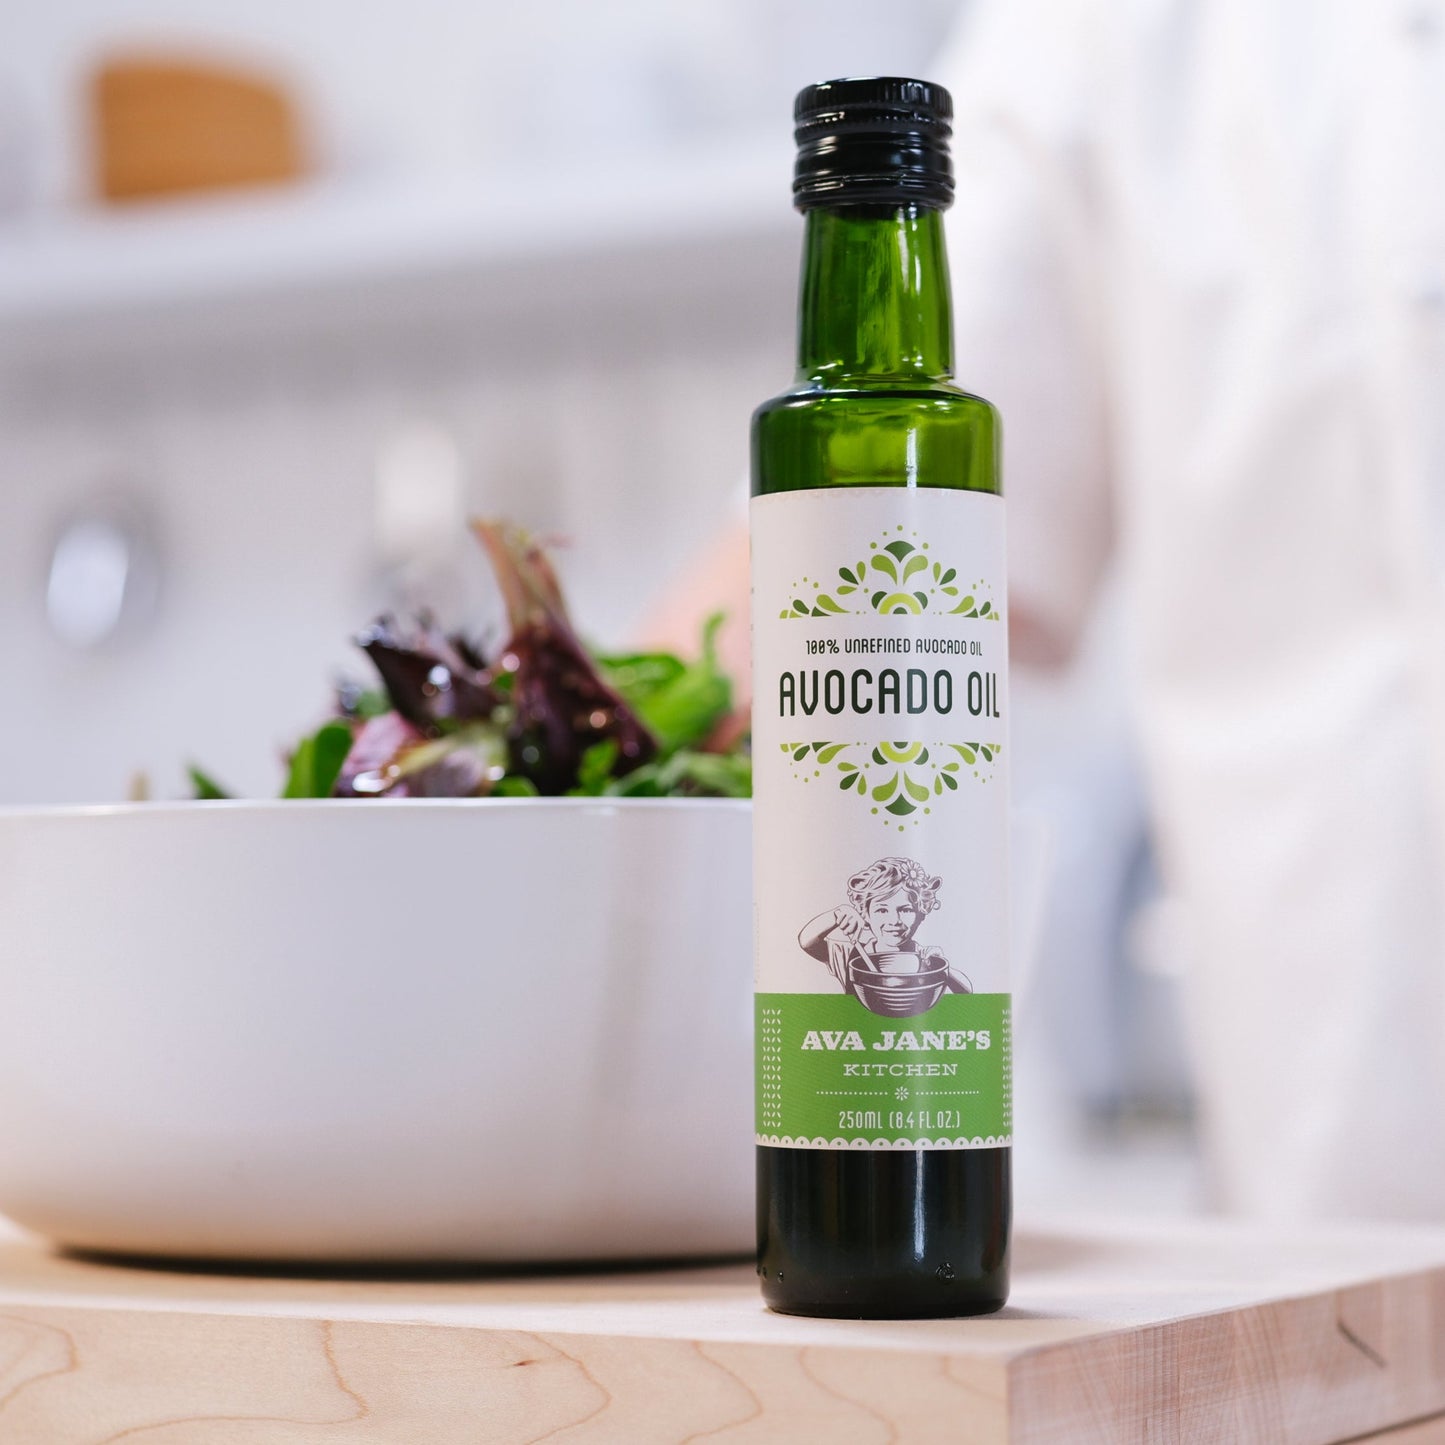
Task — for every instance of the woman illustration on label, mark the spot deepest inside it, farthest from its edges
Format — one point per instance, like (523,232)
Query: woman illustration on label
(869,946)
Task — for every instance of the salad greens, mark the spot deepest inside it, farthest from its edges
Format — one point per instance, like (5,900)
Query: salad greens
(316,764)
(543,717)
(678,704)
(206,788)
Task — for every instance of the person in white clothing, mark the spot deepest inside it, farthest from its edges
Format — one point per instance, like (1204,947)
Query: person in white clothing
(1198,260)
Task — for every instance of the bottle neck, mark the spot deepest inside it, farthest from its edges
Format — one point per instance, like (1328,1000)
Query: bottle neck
(875,304)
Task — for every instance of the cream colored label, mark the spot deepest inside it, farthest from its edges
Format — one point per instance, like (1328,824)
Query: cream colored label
(880,715)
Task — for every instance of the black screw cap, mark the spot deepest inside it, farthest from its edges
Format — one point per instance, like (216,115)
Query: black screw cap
(876,141)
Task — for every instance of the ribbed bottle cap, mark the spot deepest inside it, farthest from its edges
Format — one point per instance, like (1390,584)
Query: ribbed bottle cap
(882,140)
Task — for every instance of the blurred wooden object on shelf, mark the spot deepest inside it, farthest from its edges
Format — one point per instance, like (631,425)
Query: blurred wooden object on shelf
(165,125)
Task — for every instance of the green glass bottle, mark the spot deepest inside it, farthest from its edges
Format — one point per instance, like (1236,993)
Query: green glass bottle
(880,710)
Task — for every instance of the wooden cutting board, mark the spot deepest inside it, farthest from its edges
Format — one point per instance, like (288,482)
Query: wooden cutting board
(1116,1333)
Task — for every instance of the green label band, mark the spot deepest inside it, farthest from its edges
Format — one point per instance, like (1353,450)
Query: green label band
(834,1075)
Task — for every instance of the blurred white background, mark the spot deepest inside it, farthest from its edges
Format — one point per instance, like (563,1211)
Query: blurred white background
(541,262)
(544,266)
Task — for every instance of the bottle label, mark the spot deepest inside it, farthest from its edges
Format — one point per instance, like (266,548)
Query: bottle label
(880,712)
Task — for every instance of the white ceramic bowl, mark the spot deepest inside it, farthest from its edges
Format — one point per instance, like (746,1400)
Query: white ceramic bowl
(406,1030)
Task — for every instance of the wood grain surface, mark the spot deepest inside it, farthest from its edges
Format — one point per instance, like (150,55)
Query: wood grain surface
(1426,1432)
(1121,1334)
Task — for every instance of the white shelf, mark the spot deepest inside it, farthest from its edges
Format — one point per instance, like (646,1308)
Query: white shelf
(83,268)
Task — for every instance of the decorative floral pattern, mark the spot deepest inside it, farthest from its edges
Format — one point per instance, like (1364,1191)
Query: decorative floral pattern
(896,578)
(899,780)
(979,1141)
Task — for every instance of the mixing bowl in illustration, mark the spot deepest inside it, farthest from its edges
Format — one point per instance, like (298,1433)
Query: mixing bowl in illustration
(869,942)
